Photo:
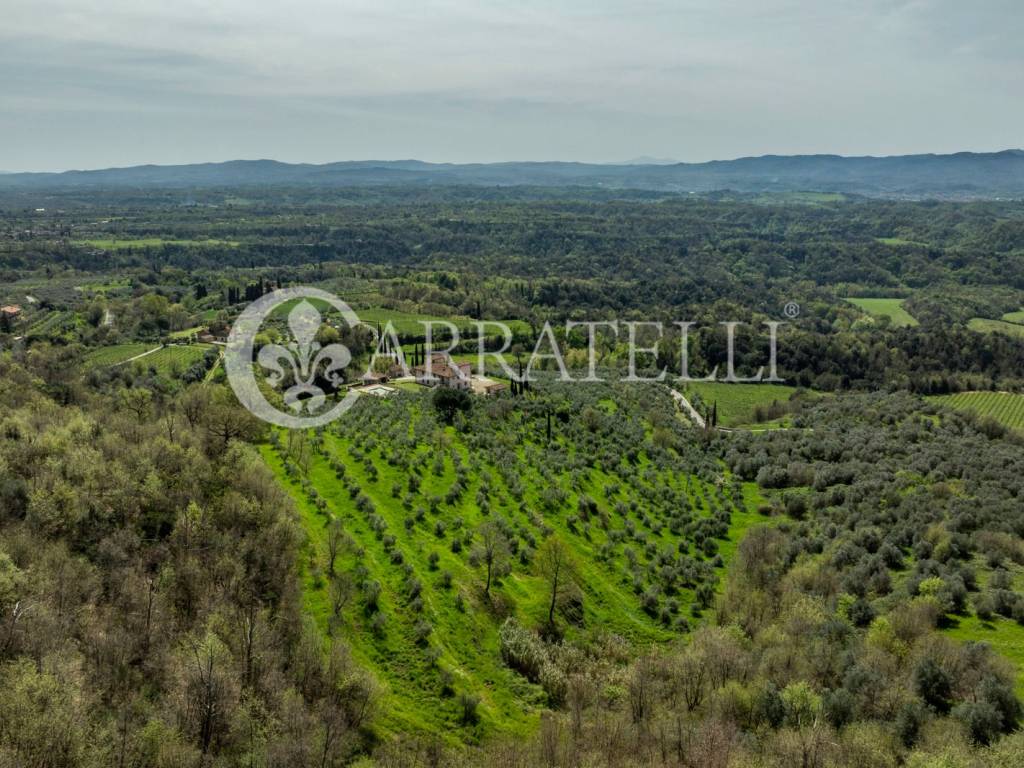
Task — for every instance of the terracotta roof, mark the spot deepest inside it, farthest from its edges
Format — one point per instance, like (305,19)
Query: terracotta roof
(440,369)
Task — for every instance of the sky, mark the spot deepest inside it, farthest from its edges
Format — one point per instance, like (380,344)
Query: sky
(103,83)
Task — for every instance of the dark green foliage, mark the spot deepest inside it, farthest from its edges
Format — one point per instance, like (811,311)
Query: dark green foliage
(932,684)
(449,401)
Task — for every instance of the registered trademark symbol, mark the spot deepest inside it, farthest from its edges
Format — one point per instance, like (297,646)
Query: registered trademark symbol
(791,310)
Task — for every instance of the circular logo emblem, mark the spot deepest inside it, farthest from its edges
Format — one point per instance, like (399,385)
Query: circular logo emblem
(298,367)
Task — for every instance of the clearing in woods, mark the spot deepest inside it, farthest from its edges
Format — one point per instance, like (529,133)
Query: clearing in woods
(891,308)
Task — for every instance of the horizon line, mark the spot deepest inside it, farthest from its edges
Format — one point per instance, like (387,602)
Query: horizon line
(641,161)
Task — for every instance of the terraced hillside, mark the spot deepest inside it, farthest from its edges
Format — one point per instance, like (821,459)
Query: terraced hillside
(413,506)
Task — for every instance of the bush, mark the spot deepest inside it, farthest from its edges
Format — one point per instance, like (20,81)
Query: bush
(982,720)
(468,704)
(932,684)
(422,631)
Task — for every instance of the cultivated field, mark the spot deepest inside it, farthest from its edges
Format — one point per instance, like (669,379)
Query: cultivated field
(115,354)
(1005,407)
(638,510)
(174,360)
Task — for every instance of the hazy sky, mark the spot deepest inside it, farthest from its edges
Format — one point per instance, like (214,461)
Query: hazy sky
(97,83)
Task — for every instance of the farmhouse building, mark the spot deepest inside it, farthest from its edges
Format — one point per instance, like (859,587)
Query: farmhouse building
(442,372)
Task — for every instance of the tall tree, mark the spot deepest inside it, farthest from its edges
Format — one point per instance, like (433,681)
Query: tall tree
(492,552)
(555,564)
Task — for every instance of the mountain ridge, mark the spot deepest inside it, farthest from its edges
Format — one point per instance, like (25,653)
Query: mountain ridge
(960,174)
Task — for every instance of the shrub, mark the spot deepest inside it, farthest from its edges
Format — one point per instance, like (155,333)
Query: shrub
(422,631)
(468,704)
(982,720)
(932,684)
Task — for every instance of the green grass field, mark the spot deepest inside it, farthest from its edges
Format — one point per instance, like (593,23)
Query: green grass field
(1014,317)
(509,474)
(1006,637)
(804,198)
(112,355)
(891,308)
(186,332)
(736,402)
(150,242)
(410,324)
(405,323)
(1005,407)
(984,325)
(895,241)
(174,361)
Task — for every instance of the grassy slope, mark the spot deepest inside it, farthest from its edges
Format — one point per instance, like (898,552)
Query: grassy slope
(896,241)
(1005,636)
(1014,317)
(468,641)
(891,308)
(984,325)
(174,359)
(410,323)
(1006,408)
(114,354)
(736,402)
(405,323)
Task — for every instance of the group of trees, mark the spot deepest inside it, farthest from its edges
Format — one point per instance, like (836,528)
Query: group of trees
(149,612)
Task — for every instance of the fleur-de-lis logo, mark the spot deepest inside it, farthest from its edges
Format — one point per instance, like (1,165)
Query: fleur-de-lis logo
(306,359)
(301,364)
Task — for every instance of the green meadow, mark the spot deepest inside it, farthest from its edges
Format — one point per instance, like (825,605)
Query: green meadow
(891,308)
(737,403)
(984,325)
(1005,636)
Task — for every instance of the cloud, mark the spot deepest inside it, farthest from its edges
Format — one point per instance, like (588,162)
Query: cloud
(321,80)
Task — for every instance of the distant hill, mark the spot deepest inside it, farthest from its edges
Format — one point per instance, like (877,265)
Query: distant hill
(963,175)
